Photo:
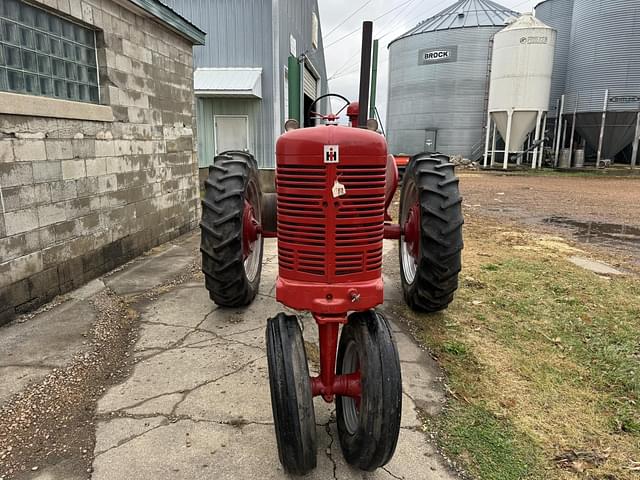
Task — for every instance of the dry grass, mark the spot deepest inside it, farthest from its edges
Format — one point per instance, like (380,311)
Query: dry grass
(543,359)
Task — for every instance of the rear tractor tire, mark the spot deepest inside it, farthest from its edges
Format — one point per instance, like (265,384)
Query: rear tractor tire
(231,263)
(431,244)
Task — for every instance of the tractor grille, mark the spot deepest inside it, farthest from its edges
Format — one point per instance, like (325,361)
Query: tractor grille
(359,220)
(301,220)
(312,244)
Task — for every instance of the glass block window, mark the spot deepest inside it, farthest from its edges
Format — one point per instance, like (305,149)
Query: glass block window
(44,54)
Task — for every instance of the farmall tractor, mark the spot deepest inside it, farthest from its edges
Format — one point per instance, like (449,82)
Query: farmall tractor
(334,185)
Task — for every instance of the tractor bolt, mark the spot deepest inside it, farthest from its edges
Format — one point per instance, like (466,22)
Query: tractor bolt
(355,296)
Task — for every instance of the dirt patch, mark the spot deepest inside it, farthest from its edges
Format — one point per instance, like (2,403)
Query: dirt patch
(604,212)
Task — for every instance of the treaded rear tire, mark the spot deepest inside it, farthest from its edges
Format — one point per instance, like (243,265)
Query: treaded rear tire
(230,179)
(291,398)
(371,440)
(440,252)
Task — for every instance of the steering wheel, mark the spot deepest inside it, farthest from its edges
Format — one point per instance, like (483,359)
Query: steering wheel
(330,116)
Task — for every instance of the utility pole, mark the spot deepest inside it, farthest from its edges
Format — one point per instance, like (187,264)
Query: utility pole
(374,80)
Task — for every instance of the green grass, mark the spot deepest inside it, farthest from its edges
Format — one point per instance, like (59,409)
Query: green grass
(542,357)
(491,448)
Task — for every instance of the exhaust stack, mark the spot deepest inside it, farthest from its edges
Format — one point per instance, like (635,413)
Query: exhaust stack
(365,73)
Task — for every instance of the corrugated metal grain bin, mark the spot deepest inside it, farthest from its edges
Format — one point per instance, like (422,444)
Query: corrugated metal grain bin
(438,80)
(605,55)
(558,14)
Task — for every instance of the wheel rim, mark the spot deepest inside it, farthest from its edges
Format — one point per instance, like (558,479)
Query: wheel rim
(350,405)
(409,216)
(253,258)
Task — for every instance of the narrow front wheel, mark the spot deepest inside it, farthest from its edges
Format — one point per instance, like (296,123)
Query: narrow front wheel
(369,425)
(291,397)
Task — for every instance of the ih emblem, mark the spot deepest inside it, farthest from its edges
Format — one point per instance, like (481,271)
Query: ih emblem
(332,154)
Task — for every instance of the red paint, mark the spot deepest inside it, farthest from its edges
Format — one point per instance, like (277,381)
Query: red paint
(392,231)
(328,384)
(402,160)
(391,185)
(412,230)
(353,111)
(250,227)
(327,245)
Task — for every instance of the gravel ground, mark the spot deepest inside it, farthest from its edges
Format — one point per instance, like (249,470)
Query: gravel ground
(602,211)
(50,424)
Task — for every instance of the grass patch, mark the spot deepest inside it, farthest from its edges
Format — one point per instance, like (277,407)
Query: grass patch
(542,357)
(490,447)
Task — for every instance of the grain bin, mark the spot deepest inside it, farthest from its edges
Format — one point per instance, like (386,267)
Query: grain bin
(438,80)
(605,57)
(520,84)
(558,14)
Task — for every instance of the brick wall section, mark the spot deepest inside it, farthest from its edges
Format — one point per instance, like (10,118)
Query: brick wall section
(82,197)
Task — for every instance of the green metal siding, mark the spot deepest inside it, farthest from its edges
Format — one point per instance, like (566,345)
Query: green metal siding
(208,108)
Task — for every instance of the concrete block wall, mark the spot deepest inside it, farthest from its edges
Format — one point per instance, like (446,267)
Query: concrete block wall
(80,197)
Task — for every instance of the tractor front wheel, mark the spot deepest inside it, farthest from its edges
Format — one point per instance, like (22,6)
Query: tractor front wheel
(369,425)
(231,240)
(291,397)
(431,242)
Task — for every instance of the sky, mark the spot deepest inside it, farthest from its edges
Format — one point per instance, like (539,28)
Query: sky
(342,51)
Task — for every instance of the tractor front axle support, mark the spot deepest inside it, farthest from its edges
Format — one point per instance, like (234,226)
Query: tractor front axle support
(328,384)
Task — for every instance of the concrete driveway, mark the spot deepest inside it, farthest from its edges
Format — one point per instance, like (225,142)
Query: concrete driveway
(196,403)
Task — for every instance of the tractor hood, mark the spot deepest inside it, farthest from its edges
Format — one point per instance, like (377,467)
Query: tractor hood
(320,142)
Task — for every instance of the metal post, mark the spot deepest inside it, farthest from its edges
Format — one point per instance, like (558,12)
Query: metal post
(604,121)
(486,144)
(493,144)
(559,131)
(544,133)
(505,164)
(565,125)
(534,162)
(555,137)
(374,80)
(294,88)
(573,129)
(636,140)
(365,73)
(522,154)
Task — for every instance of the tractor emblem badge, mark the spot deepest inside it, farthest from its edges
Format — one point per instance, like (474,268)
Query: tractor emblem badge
(331,154)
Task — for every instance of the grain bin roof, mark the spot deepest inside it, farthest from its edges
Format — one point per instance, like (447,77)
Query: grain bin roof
(465,13)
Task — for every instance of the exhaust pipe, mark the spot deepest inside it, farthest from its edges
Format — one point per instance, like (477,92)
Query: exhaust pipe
(365,73)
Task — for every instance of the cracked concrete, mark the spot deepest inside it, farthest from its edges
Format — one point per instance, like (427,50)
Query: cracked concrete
(197,402)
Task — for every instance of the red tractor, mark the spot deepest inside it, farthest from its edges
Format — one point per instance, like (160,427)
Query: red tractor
(334,185)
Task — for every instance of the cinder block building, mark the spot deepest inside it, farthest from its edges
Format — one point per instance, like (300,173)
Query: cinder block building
(97,142)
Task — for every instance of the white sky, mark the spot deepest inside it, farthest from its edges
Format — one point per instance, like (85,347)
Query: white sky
(343,57)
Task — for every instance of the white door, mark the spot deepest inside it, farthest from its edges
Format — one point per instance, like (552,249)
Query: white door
(232,133)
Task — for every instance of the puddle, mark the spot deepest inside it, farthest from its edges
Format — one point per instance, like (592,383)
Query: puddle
(595,232)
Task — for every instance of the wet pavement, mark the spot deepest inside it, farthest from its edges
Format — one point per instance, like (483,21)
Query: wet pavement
(195,402)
